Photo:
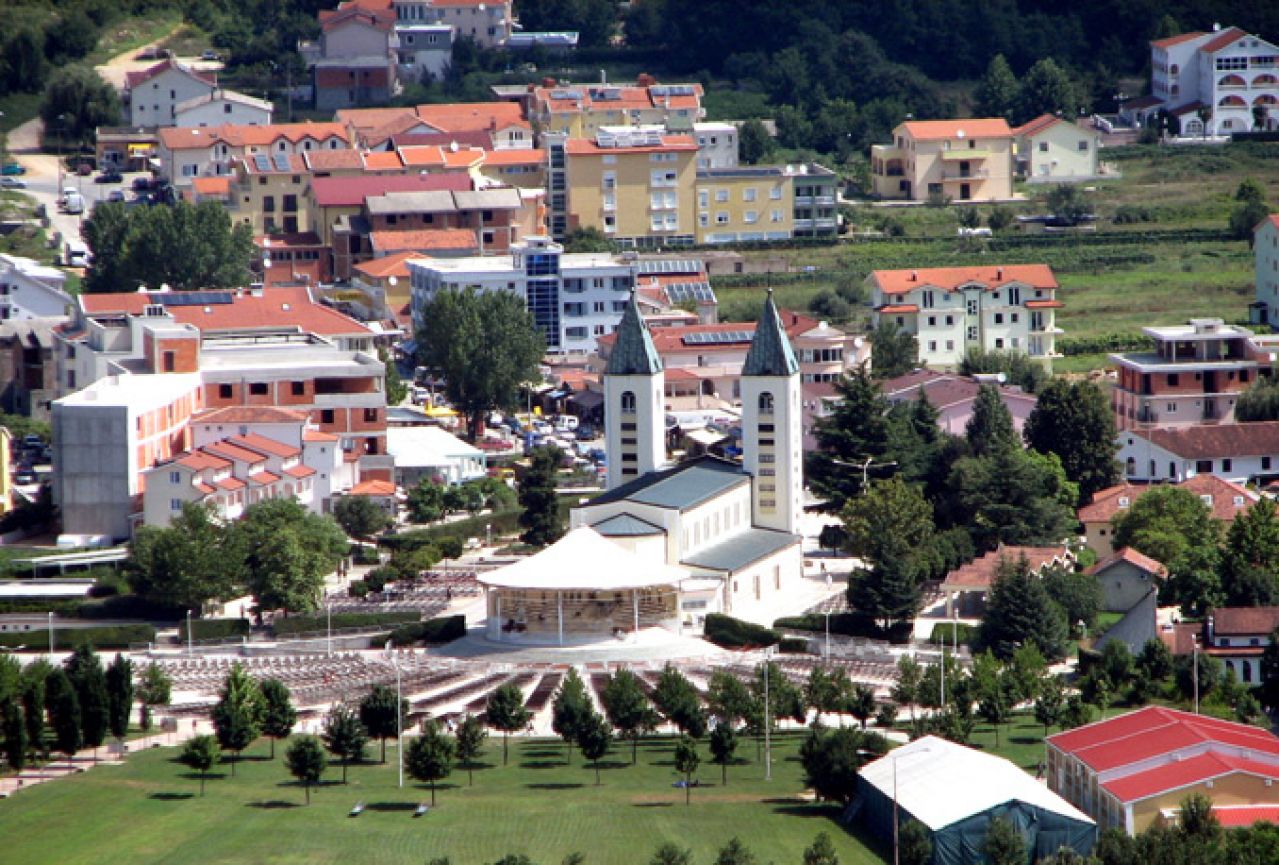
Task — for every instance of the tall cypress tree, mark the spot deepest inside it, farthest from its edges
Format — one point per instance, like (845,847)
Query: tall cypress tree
(990,429)
(14,731)
(64,712)
(541,518)
(84,668)
(119,695)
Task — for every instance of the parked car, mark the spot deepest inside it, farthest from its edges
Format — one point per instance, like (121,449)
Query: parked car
(142,184)
(115,195)
(210,54)
(12,169)
(12,183)
(25,477)
(109,176)
(585,432)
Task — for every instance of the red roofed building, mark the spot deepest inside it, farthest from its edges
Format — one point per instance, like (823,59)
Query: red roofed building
(973,581)
(208,151)
(1238,452)
(582,110)
(1126,576)
(952,310)
(953,396)
(1052,148)
(1125,771)
(1226,500)
(152,95)
(961,160)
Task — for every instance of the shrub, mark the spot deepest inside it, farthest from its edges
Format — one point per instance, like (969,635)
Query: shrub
(792,646)
(733,633)
(106,637)
(358,589)
(319,622)
(1129,214)
(363,555)
(431,632)
(947,631)
(216,629)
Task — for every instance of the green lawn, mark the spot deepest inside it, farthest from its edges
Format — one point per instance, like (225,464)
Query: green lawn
(1021,741)
(150,811)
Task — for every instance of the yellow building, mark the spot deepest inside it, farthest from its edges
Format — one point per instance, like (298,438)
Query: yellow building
(755,202)
(960,160)
(636,185)
(270,194)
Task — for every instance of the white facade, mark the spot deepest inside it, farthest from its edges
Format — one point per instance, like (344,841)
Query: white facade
(1265,249)
(1147,460)
(634,426)
(425,50)
(716,145)
(574,297)
(1055,149)
(431,453)
(223,106)
(154,101)
(772,435)
(1227,72)
(29,289)
(487,22)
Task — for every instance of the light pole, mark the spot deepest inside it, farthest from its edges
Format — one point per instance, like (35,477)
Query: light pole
(189,648)
(1194,669)
(399,714)
(768,723)
(61,123)
(328,615)
(828,635)
(51,636)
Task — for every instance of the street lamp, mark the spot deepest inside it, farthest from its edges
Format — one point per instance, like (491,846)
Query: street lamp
(190,651)
(61,125)
(828,612)
(51,636)
(328,615)
(399,713)
(768,723)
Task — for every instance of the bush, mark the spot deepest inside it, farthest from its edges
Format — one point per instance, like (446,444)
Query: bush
(215,629)
(113,637)
(1130,214)
(313,623)
(792,646)
(431,632)
(733,633)
(845,624)
(364,555)
(947,631)
(358,589)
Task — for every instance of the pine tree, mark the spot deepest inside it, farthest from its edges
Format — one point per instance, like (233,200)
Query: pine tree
(13,729)
(64,712)
(1019,612)
(344,735)
(119,695)
(570,709)
(997,93)
(855,430)
(278,715)
(627,708)
(990,428)
(1073,421)
(541,518)
(84,669)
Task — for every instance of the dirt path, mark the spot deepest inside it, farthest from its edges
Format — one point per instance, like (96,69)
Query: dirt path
(115,70)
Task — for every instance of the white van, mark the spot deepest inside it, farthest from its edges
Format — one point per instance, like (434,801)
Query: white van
(76,254)
(72,201)
(565,423)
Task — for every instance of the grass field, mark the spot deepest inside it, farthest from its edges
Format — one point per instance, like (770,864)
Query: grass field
(150,811)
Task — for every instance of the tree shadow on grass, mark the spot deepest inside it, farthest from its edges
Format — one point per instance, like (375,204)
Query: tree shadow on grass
(392,807)
(554,786)
(274,805)
(1025,740)
(610,764)
(652,804)
(541,751)
(800,808)
(171,797)
(543,764)
(212,776)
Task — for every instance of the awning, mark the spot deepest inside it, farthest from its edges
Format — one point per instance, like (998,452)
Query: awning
(584,560)
(587,398)
(705,437)
(140,150)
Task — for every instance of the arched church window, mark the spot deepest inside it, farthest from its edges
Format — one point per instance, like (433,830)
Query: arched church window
(628,402)
(765,403)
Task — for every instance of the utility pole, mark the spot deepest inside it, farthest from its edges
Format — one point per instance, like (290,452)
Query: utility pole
(768,723)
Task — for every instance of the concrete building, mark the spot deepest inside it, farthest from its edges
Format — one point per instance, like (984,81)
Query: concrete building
(30,290)
(426,50)
(494,125)
(716,145)
(1265,250)
(585,110)
(959,160)
(952,310)
(574,298)
(28,367)
(1194,375)
(434,454)
(1051,149)
(356,60)
(744,204)
(487,22)
(1224,499)
(1241,453)
(152,95)
(219,106)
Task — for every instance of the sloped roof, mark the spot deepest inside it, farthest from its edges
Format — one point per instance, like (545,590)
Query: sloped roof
(133,79)
(1039,124)
(1224,39)
(1170,41)
(973,127)
(679,487)
(634,353)
(1105,504)
(395,264)
(770,353)
(1244,621)
(243,414)
(584,560)
(941,783)
(351,191)
(741,550)
(1215,442)
(979,574)
(989,276)
(627,526)
(1154,731)
(373,488)
(276,307)
(1183,773)
(1132,557)
(413,240)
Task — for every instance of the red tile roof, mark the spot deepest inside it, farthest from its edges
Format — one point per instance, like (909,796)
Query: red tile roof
(396,264)
(212,186)
(1176,40)
(1154,731)
(1132,557)
(234,452)
(1233,816)
(231,484)
(1260,438)
(1222,40)
(974,127)
(980,572)
(990,277)
(330,160)
(299,471)
(373,488)
(245,414)
(1244,621)
(141,76)
(351,191)
(450,239)
(277,307)
(473,116)
(263,479)
(199,460)
(315,435)
(1039,124)
(262,444)
(514,157)
(1184,773)
(234,135)
(945,390)
(1105,503)
(1044,304)
(898,308)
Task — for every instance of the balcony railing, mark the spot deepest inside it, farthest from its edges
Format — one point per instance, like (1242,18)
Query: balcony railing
(971,174)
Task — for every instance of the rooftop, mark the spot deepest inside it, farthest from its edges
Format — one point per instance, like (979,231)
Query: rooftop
(976,127)
(626,526)
(1219,493)
(988,277)
(1215,442)
(980,572)
(681,487)
(211,311)
(741,550)
(249,414)
(1244,621)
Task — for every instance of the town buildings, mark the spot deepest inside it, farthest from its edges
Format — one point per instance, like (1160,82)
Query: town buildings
(356,60)
(957,160)
(954,310)
(1226,500)
(190,152)
(1051,148)
(1126,577)
(1265,250)
(31,290)
(28,370)
(954,396)
(1241,452)
(152,95)
(1238,637)
(584,110)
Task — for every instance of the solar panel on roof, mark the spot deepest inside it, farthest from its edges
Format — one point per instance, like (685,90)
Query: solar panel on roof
(281,162)
(262,163)
(193,298)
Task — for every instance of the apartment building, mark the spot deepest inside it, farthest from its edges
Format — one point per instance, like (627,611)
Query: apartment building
(152,95)
(816,189)
(960,160)
(584,110)
(356,59)
(1051,148)
(498,125)
(28,370)
(220,106)
(1241,453)
(213,151)
(575,298)
(952,310)
(716,145)
(636,185)
(746,203)
(1215,83)
(29,289)
(488,23)
(1194,375)
(1265,249)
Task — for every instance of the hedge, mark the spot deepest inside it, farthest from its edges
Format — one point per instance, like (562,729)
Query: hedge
(733,633)
(946,631)
(846,624)
(311,623)
(215,629)
(792,646)
(115,637)
(432,632)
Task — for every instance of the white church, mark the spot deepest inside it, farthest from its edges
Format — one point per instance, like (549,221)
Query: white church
(667,544)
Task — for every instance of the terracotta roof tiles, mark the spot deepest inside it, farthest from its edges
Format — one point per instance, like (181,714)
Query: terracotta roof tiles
(974,127)
(1132,557)
(373,488)
(1244,621)
(247,414)
(282,307)
(951,278)
(1216,442)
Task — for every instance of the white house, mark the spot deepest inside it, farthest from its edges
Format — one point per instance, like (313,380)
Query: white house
(425,50)
(223,106)
(1228,76)
(1239,452)
(29,289)
(429,452)
(716,145)
(153,95)
(1050,148)
(1265,250)
(951,310)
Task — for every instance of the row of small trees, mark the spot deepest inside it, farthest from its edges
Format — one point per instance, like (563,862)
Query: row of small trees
(66,708)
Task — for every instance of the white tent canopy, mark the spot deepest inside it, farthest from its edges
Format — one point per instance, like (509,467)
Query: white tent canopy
(941,783)
(583,560)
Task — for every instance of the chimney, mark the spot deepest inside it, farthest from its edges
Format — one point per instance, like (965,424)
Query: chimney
(548,82)
(999,273)
(914,276)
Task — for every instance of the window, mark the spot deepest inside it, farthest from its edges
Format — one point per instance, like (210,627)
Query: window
(999,343)
(1204,467)
(170,361)
(1226,465)
(972,334)
(950,321)
(999,318)
(1174,379)
(1265,463)
(224,391)
(326,415)
(268,203)
(932,321)
(721,217)
(971,306)
(950,345)
(628,402)
(370,415)
(721,195)
(1043,147)
(765,403)
(775,193)
(751,217)
(1083,147)
(703,198)
(297,388)
(175,477)
(932,345)
(257,388)
(1014,297)
(175,504)
(776,216)
(749,194)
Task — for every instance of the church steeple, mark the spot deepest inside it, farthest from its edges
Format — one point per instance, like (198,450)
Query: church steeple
(772,425)
(634,401)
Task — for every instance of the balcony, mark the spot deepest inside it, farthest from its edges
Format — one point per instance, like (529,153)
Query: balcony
(816,200)
(955,174)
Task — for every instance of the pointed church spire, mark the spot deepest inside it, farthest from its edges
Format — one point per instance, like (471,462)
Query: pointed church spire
(634,352)
(770,352)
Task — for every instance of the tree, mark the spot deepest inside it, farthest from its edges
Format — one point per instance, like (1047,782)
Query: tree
(1004,844)
(396,390)
(686,762)
(594,736)
(32,687)
(13,730)
(861,703)
(344,736)
(383,714)
(1250,210)
(854,431)
(23,64)
(485,345)
(1050,703)
(890,528)
(506,712)
(426,501)
(832,758)
(821,851)
(1250,556)
(1018,368)
(154,689)
(470,743)
(84,669)
(668,853)
(543,524)
(1013,497)
(1259,402)
(1077,593)
(186,564)
(1019,612)
(429,757)
(754,144)
(288,550)
(237,716)
(1074,421)
(894,352)
(1068,203)
(627,707)
(306,762)
(1197,819)
(200,754)
(131,247)
(723,742)
(64,712)
(119,695)
(1046,88)
(990,428)
(570,709)
(676,699)
(587,239)
(997,92)
(1154,661)
(278,715)
(735,853)
(76,102)
(360,516)
(914,843)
